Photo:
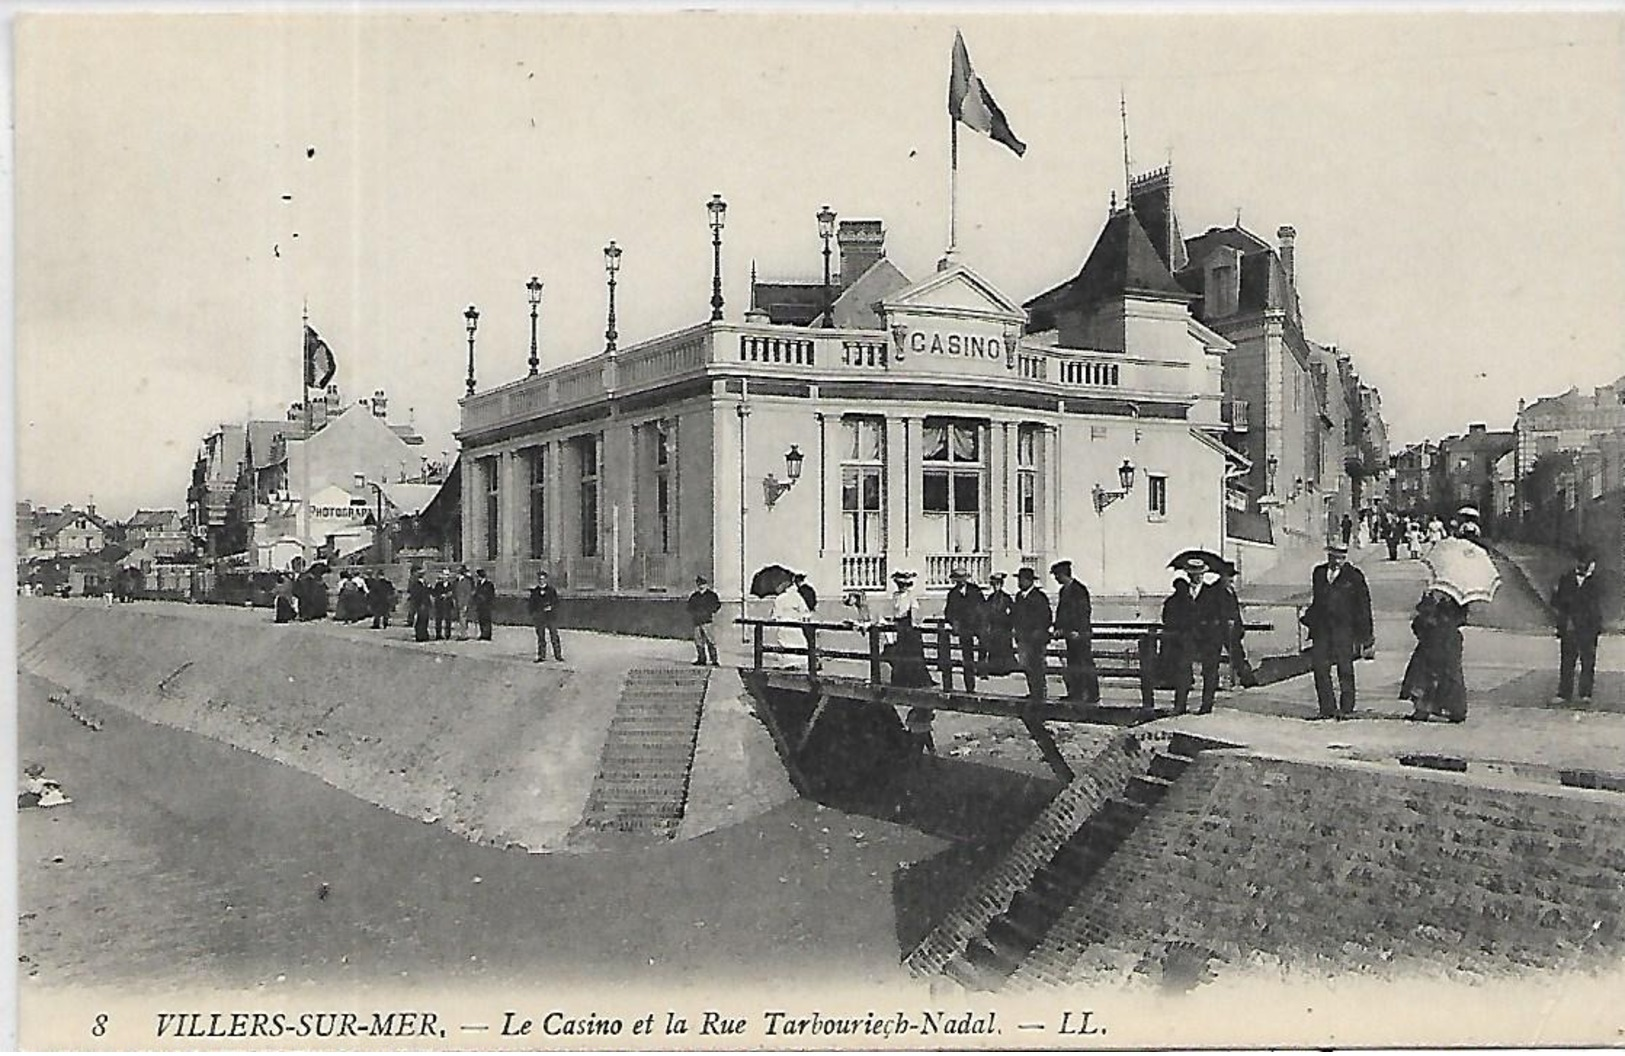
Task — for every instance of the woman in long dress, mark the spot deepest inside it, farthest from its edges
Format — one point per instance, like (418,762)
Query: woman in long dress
(1434,682)
(791,607)
(282,598)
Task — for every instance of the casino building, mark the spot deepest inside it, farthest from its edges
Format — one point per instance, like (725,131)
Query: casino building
(935,423)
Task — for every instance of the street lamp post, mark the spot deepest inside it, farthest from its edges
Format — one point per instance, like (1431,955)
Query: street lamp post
(719,211)
(826,231)
(534,289)
(473,318)
(612,264)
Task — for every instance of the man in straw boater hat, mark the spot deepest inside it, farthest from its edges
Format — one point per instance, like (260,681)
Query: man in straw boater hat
(963,611)
(1340,628)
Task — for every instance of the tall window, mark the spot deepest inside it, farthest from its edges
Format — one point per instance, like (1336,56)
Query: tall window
(1027,488)
(863,485)
(587,455)
(662,442)
(953,486)
(493,503)
(538,502)
(1156,496)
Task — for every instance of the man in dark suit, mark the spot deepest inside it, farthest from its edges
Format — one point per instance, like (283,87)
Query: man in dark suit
(485,600)
(1030,620)
(963,611)
(1339,624)
(1074,625)
(421,603)
(1577,603)
(543,604)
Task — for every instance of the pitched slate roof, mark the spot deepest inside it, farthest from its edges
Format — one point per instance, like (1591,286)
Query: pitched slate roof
(1123,262)
(790,303)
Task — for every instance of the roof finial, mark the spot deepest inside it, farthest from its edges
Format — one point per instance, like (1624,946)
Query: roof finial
(1128,179)
(1114,203)
(1238,216)
(753,284)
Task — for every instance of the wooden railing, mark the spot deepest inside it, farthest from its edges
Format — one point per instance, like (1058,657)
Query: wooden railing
(1123,651)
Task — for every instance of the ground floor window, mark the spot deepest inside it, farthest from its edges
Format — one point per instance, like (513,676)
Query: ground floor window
(1156,495)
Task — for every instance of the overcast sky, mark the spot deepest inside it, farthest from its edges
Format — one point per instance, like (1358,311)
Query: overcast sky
(1455,181)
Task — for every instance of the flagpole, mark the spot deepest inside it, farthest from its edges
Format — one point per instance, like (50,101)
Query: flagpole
(302,519)
(953,183)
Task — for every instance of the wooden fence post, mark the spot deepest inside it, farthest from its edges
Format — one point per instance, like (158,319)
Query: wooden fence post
(812,653)
(757,658)
(945,658)
(1148,670)
(874,655)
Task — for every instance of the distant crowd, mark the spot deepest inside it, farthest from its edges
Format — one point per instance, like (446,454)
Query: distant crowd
(438,607)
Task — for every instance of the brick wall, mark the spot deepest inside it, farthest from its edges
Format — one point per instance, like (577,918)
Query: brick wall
(1102,776)
(1253,864)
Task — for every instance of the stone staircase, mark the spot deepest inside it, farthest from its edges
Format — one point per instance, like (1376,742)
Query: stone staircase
(990,956)
(641,787)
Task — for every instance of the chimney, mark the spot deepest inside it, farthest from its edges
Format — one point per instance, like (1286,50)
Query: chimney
(1476,427)
(378,404)
(862,243)
(1287,234)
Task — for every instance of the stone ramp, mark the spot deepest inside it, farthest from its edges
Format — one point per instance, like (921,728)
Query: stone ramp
(983,940)
(641,787)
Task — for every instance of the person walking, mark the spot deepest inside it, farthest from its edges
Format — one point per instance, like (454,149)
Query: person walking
(1340,628)
(543,605)
(1577,603)
(703,606)
(1214,607)
(1434,682)
(998,637)
(1346,528)
(419,604)
(963,611)
(1392,534)
(1074,626)
(485,600)
(1030,623)
(462,593)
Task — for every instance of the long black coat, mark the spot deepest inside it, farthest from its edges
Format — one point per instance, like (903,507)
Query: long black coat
(1073,611)
(1030,615)
(1339,613)
(1578,606)
(963,609)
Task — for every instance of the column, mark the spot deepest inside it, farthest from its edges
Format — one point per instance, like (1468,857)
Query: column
(553,458)
(897,493)
(515,502)
(473,506)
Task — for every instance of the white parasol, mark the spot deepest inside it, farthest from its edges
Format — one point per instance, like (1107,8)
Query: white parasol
(1462,571)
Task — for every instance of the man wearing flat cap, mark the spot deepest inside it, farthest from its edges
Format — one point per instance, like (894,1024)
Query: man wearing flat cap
(1339,623)
(1074,625)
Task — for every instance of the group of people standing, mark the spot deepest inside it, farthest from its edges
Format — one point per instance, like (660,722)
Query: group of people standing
(1201,624)
(450,599)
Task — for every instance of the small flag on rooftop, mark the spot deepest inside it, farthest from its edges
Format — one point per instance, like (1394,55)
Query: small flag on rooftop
(319,362)
(970,101)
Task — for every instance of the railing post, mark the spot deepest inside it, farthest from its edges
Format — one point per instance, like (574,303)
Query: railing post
(757,652)
(812,653)
(874,654)
(945,658)
(1148,670)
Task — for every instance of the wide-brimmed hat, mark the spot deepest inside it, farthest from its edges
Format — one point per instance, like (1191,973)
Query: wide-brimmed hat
(995,577)
(1337,546)
(1025,572)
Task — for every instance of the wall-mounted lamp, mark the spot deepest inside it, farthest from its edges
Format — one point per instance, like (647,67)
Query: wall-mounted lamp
(1125,478)
(773,486)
